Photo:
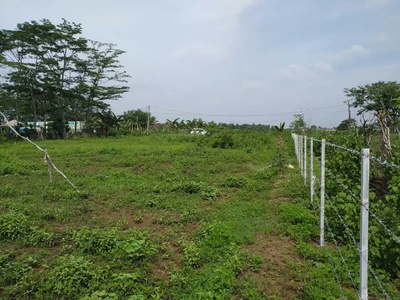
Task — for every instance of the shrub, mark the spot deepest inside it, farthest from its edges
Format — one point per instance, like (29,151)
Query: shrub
(235,182)
(94,241)
(13,226)
(136,247)
(205,191)
(71,278)
(223,140)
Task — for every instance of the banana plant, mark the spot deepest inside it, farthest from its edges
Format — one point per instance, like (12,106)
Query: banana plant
(280,132)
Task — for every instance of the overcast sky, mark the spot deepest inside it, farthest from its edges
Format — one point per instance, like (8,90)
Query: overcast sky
(237,57)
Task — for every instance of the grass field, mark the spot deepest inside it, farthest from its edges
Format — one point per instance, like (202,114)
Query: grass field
(164,216)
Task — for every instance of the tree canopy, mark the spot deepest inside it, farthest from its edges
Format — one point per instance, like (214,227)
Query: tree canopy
(346,124)
(53,73)
(381,99)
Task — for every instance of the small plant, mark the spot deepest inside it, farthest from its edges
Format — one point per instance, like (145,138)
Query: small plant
(7,191)
(94,241)
(13,226)
(205,191)
(235,182)
(71,278)
(122,224)
(192,255)
(138,217)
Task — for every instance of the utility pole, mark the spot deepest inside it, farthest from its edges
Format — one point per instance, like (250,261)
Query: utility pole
(148,118)
(137,123)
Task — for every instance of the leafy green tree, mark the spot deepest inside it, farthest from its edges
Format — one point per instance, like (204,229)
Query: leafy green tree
(346,124)
(136,119)
(100,77)
(54,73)
(381,100)
(299,124)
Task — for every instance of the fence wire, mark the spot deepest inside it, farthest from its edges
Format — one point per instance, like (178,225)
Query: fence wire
(388,230)
(337,244)
(350,235)
(375,159)
(330,259)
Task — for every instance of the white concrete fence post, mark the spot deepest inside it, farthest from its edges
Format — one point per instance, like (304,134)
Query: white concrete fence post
(364,214)
(305,160)
(311,170)
(301,155)
(322,220)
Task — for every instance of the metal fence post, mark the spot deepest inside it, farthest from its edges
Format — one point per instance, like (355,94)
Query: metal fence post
(364,224)
(322,221)
(311,169)
(305,160)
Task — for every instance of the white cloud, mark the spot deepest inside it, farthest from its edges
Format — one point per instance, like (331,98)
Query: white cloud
(323,66)
(350,54)
(298,72)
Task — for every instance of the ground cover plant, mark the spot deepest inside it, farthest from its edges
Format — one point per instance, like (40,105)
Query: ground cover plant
(159,216)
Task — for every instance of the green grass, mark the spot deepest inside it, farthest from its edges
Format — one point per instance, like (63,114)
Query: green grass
(164,216)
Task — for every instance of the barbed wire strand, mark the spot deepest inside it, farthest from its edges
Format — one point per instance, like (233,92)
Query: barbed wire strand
(351,238)
(388,230)
(330,258)
(375,159)
(316,180)
(47,156)
(341,255)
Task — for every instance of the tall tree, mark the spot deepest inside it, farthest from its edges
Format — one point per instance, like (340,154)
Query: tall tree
(381,100)
(54,73)
(298,124)
(100,73)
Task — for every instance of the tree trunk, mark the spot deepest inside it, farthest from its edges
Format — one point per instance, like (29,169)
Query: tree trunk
(64,132)
(386,148)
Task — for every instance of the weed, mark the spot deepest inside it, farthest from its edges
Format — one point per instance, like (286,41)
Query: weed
(138,217)
(235,182)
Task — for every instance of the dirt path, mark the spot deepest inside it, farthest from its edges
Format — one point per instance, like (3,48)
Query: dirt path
(280,274)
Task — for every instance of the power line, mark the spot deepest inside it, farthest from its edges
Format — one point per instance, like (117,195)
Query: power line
(260,115)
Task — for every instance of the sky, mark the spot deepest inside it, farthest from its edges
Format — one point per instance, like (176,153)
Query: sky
(239,61)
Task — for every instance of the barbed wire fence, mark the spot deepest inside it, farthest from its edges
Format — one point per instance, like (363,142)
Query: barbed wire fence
(47,157)
(306,162)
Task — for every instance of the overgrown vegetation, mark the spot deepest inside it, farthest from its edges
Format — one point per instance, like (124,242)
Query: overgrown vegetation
(164,216)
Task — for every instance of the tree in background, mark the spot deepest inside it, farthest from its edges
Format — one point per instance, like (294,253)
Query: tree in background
(299,124)
(381,99)
(346,124)
(52,73)
(136,119)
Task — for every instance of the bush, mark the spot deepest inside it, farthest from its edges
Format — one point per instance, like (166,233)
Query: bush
(235,182)
(94,241)
(71,278)
(205,191)
(13,226)
(223,140)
